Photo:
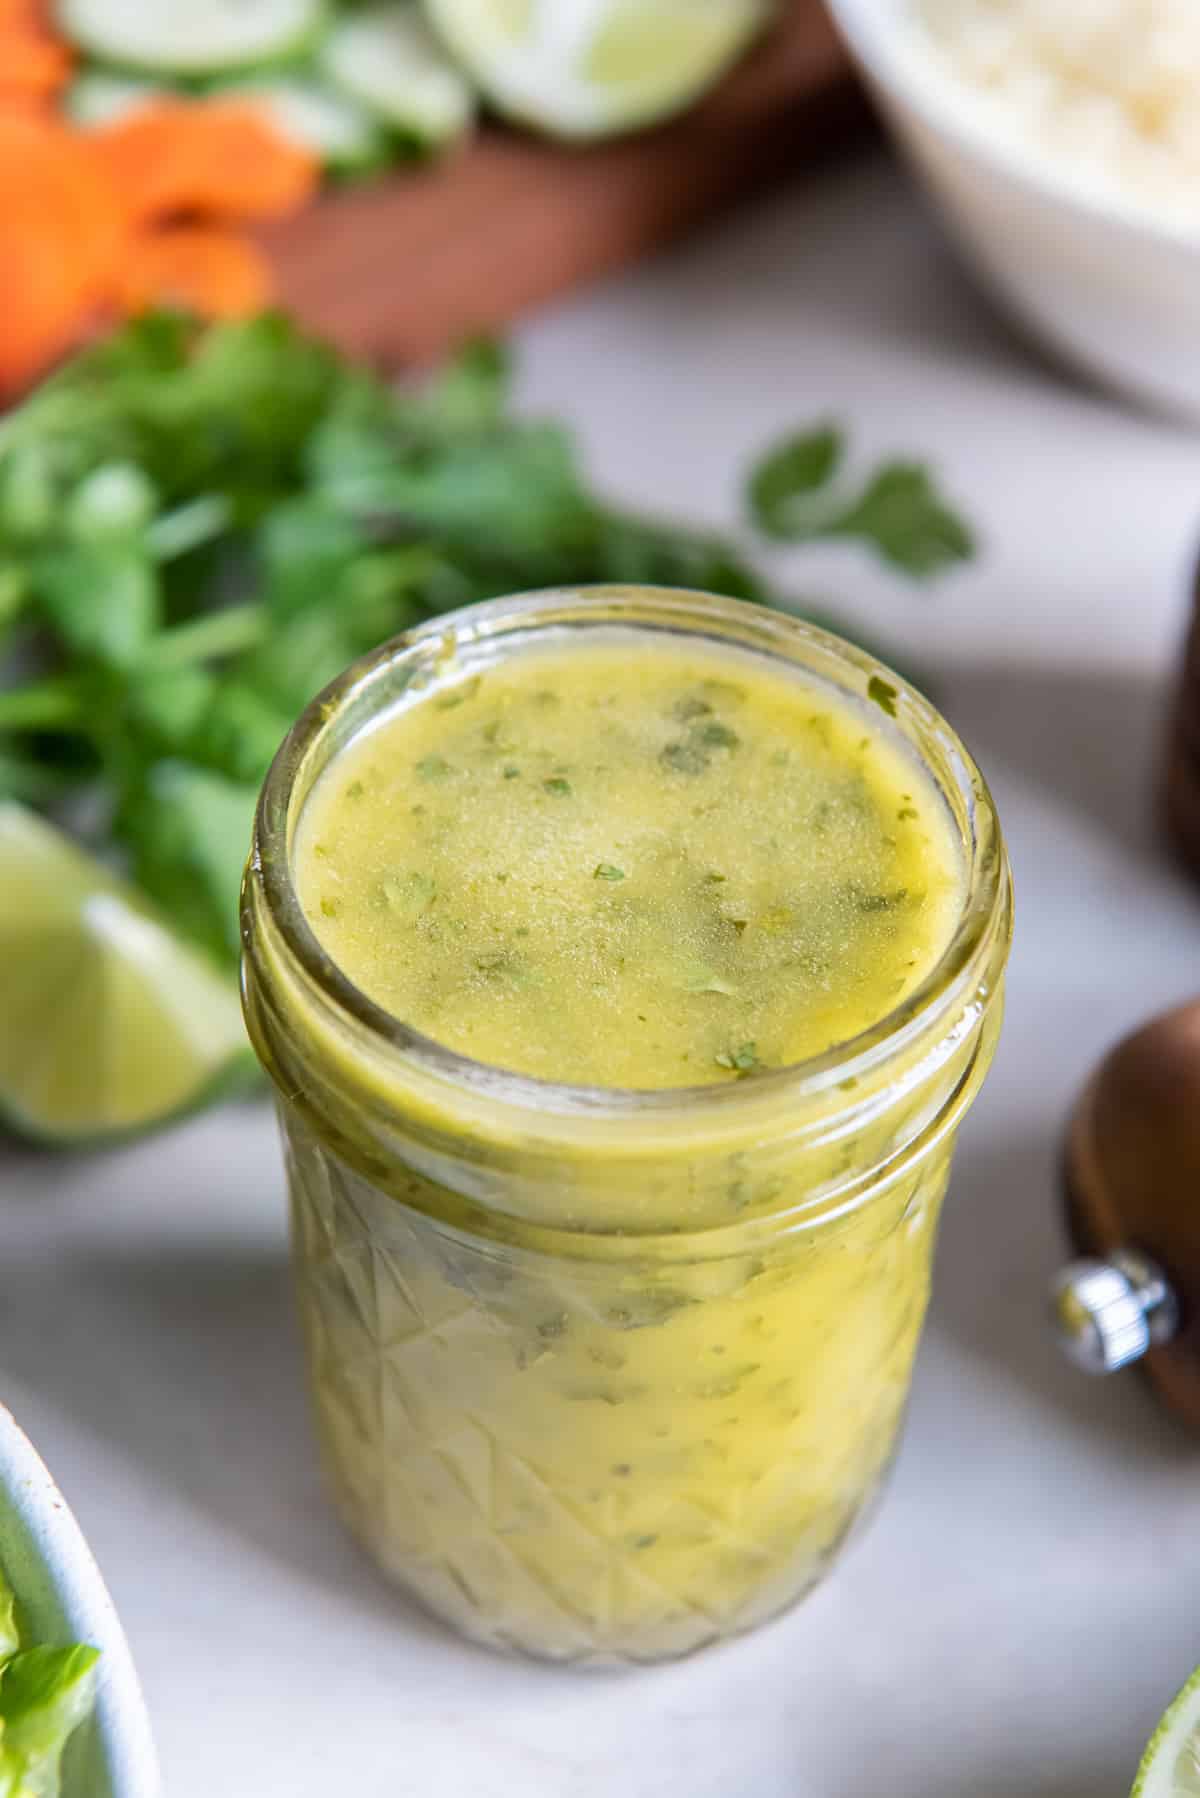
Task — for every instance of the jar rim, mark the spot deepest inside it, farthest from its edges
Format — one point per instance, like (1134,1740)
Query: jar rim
(966,965)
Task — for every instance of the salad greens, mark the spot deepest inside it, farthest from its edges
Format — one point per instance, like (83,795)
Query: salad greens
(199,528)
(44,1694)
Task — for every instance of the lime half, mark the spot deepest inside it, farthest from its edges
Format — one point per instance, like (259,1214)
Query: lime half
(108,1023)
(587,68)
(1171,1764)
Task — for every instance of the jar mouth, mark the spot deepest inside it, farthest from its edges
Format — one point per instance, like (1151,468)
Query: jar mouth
(371,686)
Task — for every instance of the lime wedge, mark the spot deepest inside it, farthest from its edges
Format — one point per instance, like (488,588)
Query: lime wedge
(1171,1764)
(109,1024)
(588,68)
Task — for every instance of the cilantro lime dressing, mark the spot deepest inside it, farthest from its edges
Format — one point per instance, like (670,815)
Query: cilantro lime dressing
(631,865)
(615,1376)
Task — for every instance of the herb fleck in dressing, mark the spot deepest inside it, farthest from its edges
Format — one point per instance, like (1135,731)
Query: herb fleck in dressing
(626,866)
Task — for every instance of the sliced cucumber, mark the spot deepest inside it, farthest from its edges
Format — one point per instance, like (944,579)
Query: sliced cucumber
(97,97)
(191,37)
(386,58)
(311,113)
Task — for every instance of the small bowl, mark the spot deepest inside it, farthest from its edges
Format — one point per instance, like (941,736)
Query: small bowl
(62,1599)
(1114,291)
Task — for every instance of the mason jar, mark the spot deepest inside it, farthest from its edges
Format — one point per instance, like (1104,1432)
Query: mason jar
(611,1374)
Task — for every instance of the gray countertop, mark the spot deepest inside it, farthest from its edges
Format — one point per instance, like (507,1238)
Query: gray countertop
(1027,1599)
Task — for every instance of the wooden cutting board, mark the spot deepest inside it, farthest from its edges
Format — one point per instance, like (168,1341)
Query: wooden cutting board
(402,268)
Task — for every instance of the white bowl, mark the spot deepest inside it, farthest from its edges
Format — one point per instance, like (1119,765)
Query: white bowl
(1114,291)
(62,1599)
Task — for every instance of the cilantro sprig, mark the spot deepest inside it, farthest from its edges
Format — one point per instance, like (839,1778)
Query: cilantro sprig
(795,494)
(199,528)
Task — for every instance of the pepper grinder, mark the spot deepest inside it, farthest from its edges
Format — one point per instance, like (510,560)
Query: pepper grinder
(1132,1190)
(1132,1169)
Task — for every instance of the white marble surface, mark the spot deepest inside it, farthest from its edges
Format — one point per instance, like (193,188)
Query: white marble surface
(1029,1595)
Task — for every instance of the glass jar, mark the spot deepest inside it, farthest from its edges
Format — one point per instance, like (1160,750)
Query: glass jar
(607,1374)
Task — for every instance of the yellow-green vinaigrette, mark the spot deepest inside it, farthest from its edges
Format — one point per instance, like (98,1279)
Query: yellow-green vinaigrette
(624,963)
(635,864)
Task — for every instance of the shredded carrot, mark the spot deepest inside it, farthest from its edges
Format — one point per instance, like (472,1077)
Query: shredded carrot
(217,158)
(60,245)
(207,269)
(31,64)
(22,16)
(129,215)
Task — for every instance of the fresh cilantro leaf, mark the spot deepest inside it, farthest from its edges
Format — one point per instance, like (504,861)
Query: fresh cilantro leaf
(469,394)
(115,501)
(26,775)
(513,492)
(901,514)
(796,468)
(188,526)
(293,664)
(166,706)
(29,493)
(303,547)
(102,599)
(188,832)
(607,871)
(238,732)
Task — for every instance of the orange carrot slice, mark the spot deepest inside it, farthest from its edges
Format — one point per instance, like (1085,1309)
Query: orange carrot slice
(207,269)
(21,15)
(31,64)
(213,157)
(59,247)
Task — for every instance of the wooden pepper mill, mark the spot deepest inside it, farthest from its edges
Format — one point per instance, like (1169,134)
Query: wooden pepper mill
(1132,1175)
(1132,1182)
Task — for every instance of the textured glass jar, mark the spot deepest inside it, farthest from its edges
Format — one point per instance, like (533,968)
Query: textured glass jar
(605,1374)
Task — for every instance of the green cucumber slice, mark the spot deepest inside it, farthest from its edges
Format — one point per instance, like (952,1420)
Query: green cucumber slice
(332,126)
(386,58)
(97,97)
(191,37)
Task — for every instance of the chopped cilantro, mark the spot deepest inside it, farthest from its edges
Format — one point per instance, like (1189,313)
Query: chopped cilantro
(716,735)
(557,785)
(883,693)
(446,702)
(869,902)
(684,758)
(606,871)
